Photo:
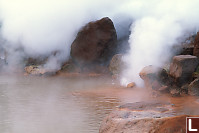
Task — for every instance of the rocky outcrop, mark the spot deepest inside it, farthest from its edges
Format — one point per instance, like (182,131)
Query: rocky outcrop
(193,88)
(182,68)
(95,44)
(196,45)
(144,117)
(116,65)
(154,77)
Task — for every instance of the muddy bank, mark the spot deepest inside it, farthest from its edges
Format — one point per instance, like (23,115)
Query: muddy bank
(151,114)
(147,117)
(116,124)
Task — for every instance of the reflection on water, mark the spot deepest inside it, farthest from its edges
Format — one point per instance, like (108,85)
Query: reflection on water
(52,105)
(66,105)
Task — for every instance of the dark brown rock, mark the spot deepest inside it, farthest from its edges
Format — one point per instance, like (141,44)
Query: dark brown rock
(182,68)
(95,44)
(196,45)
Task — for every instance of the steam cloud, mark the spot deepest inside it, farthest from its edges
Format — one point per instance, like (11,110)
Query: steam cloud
(36,28)
(158,26)
(41,27)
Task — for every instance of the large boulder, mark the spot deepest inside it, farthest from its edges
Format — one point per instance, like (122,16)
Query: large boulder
(144,117)
(196,45)
(154,77)
(95,44)
(182,68)
(193,88)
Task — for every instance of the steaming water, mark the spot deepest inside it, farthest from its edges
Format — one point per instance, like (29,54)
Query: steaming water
(68,104)
(53,105)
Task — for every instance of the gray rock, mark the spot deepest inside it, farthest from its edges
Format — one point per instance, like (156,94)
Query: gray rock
(193,88)
(182,68)
(154,77)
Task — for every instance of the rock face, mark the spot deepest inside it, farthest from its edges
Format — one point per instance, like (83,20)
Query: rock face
(154,77)
(144,117)
(116,64)
(193,88)
(95,44)
(196,45)
(182,68)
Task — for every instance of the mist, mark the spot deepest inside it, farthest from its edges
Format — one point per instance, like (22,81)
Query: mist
(158,26)
(39,28)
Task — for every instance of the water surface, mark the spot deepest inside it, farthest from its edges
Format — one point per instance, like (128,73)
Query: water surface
(67,104)
(53,105)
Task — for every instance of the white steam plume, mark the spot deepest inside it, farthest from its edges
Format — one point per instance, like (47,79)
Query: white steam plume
(158,25)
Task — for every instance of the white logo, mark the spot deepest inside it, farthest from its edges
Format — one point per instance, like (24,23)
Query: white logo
(190,126)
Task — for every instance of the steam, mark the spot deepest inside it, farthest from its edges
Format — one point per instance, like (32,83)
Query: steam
(158,27)
(41,27)
(37,28)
